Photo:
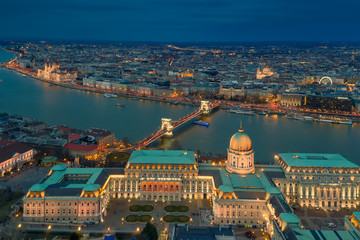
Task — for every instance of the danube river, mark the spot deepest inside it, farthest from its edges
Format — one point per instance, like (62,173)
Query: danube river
(138,119)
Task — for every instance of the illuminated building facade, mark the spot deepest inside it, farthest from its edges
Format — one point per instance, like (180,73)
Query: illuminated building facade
(161,176)
(265,72)
(240,192)
(291,99)
(55,73)
(69,195)
(333,103)
(13,155)
(230,92)
(327,181)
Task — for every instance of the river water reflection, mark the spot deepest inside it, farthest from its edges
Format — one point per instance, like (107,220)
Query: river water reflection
(138,119)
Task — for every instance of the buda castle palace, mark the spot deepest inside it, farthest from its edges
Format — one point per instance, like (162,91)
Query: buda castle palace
(241,192)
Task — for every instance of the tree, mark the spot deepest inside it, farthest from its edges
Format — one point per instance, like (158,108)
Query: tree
(126,141)
(149,232)
(75,236)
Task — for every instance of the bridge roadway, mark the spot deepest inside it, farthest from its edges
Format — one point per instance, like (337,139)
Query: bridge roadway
(160,132)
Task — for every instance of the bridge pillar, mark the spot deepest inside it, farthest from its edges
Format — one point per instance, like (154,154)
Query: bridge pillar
(205,106)
(167,126)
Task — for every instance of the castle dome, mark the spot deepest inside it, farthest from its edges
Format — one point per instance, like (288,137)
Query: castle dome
(240,157)
(240,142)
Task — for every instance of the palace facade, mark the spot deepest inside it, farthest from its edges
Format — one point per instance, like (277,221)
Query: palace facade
(327,181)
(13,155)
(241,192)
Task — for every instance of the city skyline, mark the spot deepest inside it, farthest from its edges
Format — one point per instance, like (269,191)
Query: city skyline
(180,21)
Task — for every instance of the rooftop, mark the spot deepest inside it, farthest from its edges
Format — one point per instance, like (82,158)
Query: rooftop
(65,181)
(9,149)
(248,186)
(201,233)
(289,218)
(162,156)
(316,160)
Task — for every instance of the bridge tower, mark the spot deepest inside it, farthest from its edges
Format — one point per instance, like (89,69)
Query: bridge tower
(205,106)
(167,126)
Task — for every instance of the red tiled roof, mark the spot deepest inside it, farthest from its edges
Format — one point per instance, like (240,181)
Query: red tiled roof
(62,128)
(78,147)
(74,136)
(9,148)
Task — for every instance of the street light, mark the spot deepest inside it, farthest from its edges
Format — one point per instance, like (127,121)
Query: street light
(49,227)
(79,228)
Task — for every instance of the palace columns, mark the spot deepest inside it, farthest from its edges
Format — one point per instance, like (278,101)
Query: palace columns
(287,189)
(312,191)
(293,189)
(307,191)
(349,192)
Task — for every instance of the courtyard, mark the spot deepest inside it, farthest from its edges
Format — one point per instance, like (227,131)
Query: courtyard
(318,219)
(163,214)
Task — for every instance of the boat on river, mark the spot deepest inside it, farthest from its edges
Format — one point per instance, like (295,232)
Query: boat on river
(110,95)
(239,111)
(201,123)
(334,120)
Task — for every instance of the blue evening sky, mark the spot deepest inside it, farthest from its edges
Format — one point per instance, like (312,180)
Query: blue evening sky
(181,20)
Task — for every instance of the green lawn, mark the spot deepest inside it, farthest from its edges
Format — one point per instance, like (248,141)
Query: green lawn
(5,208)
(172,208)
(179,219)
(137,218)
(141,208)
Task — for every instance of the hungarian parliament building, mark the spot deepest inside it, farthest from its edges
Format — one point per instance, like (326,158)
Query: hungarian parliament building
(241,192)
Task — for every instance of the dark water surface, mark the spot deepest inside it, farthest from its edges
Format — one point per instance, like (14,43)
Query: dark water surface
(270,134)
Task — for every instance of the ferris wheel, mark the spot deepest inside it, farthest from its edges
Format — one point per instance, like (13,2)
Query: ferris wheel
(326,80)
